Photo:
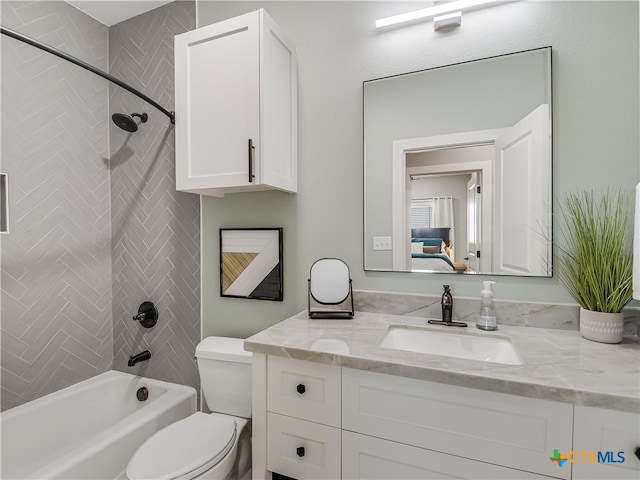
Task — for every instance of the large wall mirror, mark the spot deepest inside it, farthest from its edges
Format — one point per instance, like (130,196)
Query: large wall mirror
(457,168)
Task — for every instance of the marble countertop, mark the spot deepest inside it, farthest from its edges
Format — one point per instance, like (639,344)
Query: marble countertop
(557,364)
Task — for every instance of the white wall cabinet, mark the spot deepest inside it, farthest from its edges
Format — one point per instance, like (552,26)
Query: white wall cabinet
(236,104)
(357,424)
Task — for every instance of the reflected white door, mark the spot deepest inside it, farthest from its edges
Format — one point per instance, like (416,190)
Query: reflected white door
(523,196)
(473,223)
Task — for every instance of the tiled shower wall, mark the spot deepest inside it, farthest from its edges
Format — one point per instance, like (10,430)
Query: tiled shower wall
(56,261)
(91,236)
(155,230)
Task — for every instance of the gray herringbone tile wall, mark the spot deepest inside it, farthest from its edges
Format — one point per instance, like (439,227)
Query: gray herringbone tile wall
(96,224)
(156,230)
(56,261)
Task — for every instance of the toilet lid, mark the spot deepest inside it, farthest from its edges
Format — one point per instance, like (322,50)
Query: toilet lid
(183,447)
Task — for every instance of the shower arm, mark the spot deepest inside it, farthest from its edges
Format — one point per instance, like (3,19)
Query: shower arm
(86,66)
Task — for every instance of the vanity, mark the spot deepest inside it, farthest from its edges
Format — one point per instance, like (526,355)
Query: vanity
(329,401)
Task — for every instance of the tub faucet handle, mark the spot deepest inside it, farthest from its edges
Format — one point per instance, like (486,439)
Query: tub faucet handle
(147,314)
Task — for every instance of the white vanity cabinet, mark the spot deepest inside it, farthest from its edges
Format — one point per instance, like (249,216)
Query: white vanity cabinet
(313,420)
(236,103)
(459,431)
(604,443)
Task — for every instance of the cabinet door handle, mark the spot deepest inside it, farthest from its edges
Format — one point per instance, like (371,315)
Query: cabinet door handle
(300,451)
(251,150)
(4,203)
(301,388)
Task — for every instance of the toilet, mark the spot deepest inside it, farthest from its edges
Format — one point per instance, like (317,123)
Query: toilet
(216,445)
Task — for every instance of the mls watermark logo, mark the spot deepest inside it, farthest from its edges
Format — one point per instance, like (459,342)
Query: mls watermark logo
(585,456)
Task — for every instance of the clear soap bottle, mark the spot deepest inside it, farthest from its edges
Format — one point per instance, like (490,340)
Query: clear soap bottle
(487,316)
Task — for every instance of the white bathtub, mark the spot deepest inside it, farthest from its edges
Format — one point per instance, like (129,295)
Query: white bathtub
(88,430)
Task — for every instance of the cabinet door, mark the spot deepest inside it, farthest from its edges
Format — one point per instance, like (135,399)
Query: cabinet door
(370,457)
(603,444)
(509,430)
(217,103)
(278,152)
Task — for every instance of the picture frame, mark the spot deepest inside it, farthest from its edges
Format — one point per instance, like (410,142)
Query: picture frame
(251,263)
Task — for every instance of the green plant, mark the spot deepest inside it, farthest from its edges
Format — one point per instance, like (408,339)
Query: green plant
(595,262)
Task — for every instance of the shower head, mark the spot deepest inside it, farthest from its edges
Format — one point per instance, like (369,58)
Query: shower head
(126,122)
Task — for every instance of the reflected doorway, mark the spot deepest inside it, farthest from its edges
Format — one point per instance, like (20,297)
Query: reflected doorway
(452,174)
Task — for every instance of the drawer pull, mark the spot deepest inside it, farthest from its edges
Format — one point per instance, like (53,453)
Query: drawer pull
(301,388)
(300,451)
(637,452)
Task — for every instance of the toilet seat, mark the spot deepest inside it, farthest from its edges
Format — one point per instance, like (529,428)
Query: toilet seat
(184,449)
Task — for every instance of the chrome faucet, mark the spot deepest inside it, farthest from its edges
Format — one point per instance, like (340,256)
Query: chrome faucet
(446,302)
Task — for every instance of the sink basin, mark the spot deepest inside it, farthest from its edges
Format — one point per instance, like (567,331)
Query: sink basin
(470,345)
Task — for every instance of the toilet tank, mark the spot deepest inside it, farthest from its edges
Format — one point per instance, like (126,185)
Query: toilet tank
(225,375)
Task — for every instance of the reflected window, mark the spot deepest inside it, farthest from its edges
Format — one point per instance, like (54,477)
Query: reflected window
(422,213)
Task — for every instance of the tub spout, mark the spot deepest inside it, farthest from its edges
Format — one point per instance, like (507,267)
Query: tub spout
(140,357)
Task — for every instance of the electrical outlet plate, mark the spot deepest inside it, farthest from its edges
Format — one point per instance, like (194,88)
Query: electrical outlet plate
(382,243)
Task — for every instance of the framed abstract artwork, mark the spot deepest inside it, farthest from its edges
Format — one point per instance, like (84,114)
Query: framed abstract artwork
(251,263)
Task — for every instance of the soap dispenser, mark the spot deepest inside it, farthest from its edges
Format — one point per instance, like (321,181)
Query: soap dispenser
(487,316)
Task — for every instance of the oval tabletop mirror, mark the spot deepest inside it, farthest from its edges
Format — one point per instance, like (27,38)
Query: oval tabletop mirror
(330,288)
(329,281)
(457,168)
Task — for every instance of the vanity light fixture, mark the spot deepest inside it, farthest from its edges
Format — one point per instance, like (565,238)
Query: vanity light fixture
(446,21)
(454,8)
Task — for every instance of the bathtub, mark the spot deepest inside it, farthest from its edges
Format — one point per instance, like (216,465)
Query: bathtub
(88,430)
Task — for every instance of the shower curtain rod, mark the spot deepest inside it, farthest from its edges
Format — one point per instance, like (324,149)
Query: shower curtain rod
(86,66)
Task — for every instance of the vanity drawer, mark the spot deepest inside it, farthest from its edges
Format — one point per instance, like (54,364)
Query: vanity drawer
(610,434)
(301,449)
(509,430)
(304,390)
(370,457)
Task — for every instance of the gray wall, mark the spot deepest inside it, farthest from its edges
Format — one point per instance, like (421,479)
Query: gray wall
(595,90)
(155,239)
(56,261)
(93,210)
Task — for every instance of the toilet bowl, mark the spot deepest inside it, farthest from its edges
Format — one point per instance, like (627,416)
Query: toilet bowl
(213,446)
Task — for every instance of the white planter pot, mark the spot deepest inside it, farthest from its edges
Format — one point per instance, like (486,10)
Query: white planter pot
(601,327)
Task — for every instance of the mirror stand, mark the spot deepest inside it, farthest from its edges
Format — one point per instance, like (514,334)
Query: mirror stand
(330,293)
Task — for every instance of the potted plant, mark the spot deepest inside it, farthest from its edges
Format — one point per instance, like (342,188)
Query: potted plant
(595,260)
